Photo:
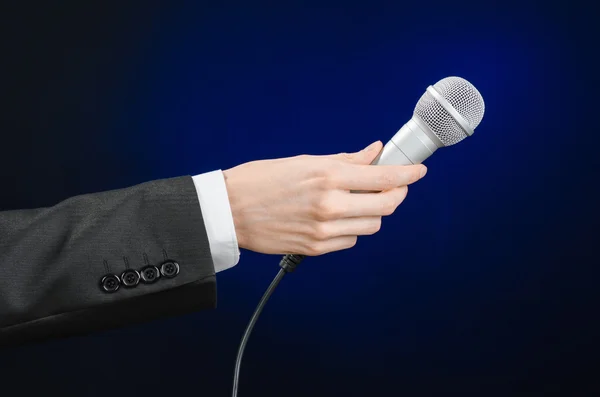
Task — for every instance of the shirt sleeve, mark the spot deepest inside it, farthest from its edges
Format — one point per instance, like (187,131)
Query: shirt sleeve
(214,203)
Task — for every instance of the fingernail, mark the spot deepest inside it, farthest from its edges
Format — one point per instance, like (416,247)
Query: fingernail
(423,171)
(371,147)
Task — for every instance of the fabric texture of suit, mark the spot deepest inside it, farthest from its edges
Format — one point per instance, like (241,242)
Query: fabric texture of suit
(53,261)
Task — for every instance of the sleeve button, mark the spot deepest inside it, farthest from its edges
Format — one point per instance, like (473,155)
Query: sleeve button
(110,283)
(149,274)
(130,278)
(169,269)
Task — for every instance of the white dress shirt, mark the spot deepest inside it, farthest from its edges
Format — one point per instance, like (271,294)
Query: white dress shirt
(218,220)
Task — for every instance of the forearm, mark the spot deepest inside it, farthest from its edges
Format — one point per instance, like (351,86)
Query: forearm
(53,261)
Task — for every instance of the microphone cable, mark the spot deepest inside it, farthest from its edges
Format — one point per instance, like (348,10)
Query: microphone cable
(288,264)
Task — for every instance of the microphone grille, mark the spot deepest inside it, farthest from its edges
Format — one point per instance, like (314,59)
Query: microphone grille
(465,99)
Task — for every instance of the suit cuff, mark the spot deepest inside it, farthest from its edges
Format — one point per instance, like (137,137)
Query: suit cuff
(218,220)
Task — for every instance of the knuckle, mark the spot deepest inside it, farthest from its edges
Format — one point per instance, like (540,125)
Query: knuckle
(403,194)
(352,242)
(326,178)
(320,231)
(388,211)
(388,207)
(325,209)
(375,226)
(314,249)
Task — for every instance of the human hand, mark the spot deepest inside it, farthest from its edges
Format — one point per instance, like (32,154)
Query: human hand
(303,204)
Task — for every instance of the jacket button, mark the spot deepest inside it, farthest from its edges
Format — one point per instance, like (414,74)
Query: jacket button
(110,283)
(149,274)
(130,278)
(169,269)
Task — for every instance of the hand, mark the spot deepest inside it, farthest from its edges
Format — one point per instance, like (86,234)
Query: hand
(303,204)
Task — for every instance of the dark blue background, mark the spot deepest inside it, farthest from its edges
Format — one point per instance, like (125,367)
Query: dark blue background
(484,279)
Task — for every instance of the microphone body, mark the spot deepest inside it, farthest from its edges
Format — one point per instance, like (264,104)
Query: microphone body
(412,144)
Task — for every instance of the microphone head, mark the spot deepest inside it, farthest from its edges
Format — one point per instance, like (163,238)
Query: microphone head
(463,97)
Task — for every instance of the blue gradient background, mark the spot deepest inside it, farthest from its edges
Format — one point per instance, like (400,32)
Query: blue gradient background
(482,282)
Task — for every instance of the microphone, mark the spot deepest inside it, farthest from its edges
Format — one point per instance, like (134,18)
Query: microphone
(448,112)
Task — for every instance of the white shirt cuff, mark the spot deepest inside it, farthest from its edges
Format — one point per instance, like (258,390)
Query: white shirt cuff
(218,220)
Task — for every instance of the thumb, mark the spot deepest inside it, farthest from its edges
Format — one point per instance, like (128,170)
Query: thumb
(365,156)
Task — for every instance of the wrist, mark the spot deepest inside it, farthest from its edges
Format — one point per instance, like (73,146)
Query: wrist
(234,204)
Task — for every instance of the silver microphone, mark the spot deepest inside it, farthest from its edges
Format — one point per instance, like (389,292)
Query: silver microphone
(447,113)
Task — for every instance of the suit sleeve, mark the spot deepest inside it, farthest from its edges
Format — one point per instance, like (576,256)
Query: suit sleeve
(104,260)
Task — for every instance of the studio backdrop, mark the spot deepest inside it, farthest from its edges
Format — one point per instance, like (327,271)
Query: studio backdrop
(484,279)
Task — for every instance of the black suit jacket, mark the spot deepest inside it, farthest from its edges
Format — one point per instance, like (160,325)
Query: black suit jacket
(104,260)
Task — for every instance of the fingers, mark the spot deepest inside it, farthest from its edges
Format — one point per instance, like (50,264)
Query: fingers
(355,172)
(359,226)
(378,177)
(334,244)
(340,234)
(365,156)
(339,204)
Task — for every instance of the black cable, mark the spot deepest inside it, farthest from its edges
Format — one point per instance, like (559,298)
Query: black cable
(288,264)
